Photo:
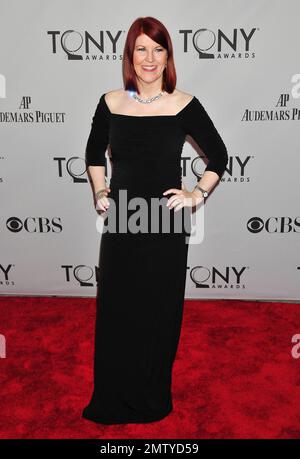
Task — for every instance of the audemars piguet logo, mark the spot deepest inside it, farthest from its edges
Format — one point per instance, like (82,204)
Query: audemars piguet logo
(285,108)
(24,114)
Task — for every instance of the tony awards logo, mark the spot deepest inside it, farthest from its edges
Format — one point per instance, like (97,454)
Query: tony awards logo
(217,45)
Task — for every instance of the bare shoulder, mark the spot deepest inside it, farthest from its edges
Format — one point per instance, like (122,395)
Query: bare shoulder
(181,98)
(183,94)
(113,98)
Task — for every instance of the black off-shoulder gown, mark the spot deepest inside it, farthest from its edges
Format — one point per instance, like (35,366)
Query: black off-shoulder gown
(142,276)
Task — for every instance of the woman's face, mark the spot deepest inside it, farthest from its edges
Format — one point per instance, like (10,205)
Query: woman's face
(149,59)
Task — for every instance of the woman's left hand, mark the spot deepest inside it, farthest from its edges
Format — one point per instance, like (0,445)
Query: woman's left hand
(182,198)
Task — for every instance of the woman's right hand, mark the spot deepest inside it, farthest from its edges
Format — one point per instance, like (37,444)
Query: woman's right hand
(103,202)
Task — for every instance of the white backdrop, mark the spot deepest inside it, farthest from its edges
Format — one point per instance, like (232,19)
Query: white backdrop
(249,82)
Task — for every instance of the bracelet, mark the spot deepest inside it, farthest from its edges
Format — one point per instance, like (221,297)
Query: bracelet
(99,193)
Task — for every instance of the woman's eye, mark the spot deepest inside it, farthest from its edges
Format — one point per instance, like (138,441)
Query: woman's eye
(143,49)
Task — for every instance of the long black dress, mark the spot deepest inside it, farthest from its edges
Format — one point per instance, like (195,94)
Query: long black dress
(142,276)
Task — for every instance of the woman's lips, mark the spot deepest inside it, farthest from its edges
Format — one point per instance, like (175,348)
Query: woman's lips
(149,69)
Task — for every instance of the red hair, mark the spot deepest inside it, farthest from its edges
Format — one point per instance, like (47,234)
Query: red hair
(155,30)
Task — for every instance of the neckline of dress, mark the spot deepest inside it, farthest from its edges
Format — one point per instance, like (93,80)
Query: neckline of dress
(147,116)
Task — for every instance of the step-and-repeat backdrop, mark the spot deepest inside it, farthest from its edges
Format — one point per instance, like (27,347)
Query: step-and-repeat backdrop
(240,58)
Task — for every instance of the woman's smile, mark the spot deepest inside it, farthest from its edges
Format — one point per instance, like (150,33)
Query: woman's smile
(149,68)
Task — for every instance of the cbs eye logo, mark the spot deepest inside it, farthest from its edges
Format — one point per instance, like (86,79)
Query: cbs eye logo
(279,225)
(255,225)
(14,224)
(34,225)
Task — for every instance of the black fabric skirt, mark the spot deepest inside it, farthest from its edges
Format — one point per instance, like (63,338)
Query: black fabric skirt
(139,310)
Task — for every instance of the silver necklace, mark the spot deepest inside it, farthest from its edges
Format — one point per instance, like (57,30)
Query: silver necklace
(147,101)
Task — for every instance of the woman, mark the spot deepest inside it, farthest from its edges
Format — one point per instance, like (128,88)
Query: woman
(142,274)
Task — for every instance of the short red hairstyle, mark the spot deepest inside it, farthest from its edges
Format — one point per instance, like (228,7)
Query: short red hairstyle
(158,33)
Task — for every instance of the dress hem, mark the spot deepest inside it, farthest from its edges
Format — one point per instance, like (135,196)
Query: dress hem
(127,421)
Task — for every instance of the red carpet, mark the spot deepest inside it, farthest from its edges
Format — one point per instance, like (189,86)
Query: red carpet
(234,375)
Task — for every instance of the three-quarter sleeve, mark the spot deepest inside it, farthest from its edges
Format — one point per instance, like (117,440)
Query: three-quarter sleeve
(98,137)
(201,128)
